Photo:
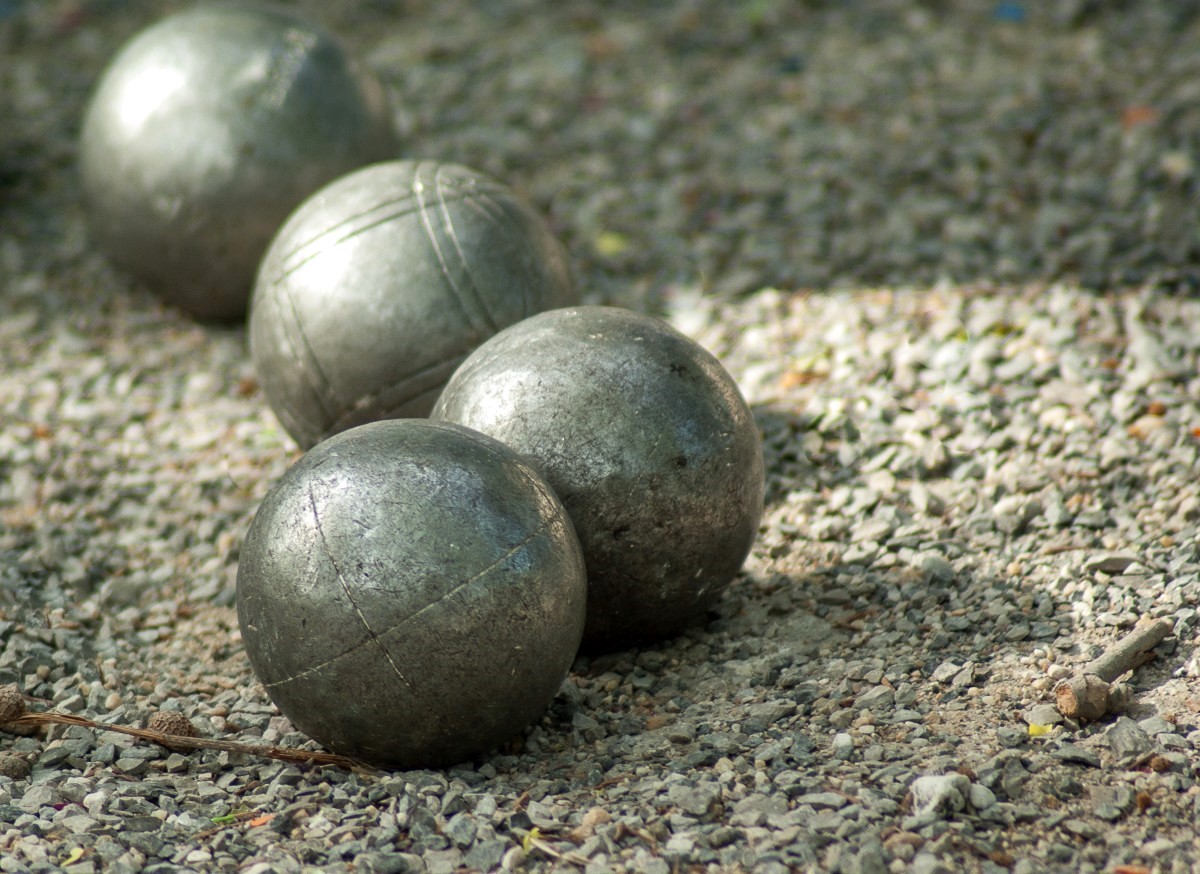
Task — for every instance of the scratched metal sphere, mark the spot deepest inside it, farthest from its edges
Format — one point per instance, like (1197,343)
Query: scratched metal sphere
(647,441)
(206,130)
(411,593)
(379,286)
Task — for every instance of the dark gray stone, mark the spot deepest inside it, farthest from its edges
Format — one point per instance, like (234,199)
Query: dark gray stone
(699,801)
(485,855)
(461,829)
(1076,754)
(1127,740)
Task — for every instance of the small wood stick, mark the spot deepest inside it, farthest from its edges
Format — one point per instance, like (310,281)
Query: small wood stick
(572,858)
(176,741)
(1088,695)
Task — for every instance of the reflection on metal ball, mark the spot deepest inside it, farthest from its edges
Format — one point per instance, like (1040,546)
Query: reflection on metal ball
(647,441)
(379,286)
(411,593)
(206,130)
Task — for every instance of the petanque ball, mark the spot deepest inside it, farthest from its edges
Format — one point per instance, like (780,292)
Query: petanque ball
(411,593)
(647,441)
(379,286)
(206,130)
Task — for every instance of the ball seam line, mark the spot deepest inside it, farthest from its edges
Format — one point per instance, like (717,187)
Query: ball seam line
(287,268)
(297,339)
(375,635)
(448,225)
(372,636)
(487,197)
(368,401)
(431,235)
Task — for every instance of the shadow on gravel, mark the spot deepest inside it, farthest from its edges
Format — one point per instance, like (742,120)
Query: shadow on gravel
(789,467)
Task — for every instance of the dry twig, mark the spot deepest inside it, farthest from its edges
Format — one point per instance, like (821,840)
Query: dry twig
(14,714)
(1089,695)
(557,855)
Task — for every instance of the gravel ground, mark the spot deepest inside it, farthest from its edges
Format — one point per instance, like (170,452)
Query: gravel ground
(979,392)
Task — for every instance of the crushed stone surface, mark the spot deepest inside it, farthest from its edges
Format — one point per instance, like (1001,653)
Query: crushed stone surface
(947,250)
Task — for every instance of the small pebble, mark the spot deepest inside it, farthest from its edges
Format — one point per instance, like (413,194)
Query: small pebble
(843,746)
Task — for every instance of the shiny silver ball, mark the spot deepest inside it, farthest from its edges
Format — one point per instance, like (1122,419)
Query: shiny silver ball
(379,286)
(647,441)
(206,130)
(411,593)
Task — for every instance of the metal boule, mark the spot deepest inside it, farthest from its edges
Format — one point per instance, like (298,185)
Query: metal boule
(647,441)
(382,283)
(411,593)
(206,130)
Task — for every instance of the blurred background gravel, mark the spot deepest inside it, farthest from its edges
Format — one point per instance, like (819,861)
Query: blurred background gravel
(948,249)
(756,142)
